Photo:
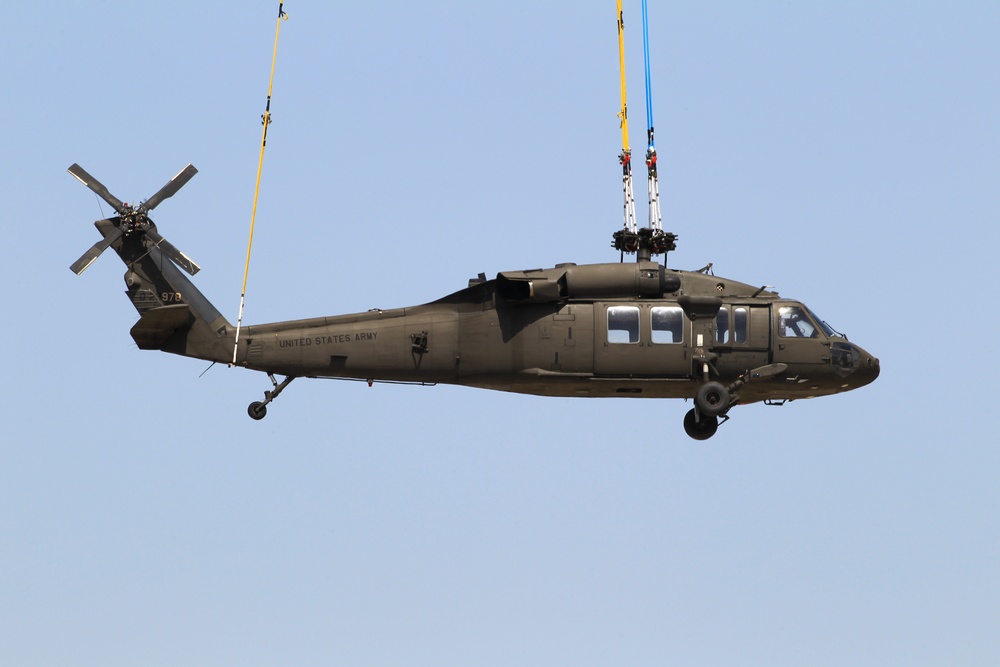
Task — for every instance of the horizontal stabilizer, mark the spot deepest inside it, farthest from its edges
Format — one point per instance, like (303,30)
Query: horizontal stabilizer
(157,325)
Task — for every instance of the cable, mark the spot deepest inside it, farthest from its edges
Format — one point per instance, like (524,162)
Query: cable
(652,179)
(626,155)
(265,120)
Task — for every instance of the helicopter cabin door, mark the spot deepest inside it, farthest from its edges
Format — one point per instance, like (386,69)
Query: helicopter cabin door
(742,337)
(640,340)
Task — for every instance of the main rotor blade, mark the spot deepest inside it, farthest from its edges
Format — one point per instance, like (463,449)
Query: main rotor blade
(80,265)
(171,188)
(80,174)
(167,248)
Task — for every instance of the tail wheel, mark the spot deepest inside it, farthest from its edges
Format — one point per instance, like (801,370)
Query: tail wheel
(257,410)
(712,399)
(701,428)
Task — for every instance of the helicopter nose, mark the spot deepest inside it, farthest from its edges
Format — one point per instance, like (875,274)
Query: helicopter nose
(856,366)
(868,369)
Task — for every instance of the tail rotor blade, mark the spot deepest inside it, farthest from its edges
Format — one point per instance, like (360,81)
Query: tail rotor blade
(167,248)
(80,265)
(133,220)
(170,189)
(80,174)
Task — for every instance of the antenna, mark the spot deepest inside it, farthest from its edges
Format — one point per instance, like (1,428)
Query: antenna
(265,120)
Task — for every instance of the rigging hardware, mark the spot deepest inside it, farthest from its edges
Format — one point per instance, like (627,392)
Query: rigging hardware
(651,240)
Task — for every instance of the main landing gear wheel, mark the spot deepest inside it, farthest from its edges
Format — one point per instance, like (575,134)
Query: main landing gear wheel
(257,410)
(700,427)
(712,399)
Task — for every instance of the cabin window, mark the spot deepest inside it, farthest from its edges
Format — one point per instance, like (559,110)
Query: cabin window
(722,327)
(668,324)
(741,322)
(794,323)
(623,324)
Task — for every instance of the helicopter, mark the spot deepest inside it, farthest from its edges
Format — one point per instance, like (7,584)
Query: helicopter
(632,330)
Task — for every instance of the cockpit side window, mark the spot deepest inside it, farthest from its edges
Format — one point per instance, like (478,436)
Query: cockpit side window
(794,323)
(623,324)
(668,324)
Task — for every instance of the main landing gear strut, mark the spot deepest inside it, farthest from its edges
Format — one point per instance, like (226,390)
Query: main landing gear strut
(714,400)
(258,409)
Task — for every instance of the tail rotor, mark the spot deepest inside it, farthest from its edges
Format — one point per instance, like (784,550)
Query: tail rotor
(133,221)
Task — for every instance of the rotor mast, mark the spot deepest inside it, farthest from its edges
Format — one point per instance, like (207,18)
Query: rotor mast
(652,240)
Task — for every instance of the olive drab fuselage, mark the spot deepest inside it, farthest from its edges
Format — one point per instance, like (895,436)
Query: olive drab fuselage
(592,330)
(637,330)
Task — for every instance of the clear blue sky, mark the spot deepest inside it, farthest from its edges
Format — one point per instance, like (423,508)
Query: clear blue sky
(846,153)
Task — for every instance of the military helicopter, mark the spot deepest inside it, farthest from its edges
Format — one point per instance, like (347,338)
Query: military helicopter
(635,330)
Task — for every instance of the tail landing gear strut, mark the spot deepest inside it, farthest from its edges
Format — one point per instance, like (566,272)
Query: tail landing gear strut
(258,409)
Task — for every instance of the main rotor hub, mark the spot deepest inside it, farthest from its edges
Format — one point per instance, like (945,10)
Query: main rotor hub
(644,241)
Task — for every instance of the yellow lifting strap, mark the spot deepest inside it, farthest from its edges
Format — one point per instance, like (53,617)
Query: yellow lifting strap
(626,156)
(623,115)
(265,120)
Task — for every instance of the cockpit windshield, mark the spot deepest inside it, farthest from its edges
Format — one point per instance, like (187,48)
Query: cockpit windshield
(827,329)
